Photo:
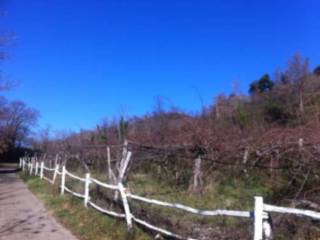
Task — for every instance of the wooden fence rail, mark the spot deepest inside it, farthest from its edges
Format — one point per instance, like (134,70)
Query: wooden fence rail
(260,215)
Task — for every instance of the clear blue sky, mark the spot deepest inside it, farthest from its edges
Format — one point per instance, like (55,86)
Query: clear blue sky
(80,61)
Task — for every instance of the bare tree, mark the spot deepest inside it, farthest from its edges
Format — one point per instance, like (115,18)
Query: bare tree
(17,121)
(298,71)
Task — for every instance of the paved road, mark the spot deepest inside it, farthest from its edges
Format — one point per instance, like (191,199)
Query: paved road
(23,216)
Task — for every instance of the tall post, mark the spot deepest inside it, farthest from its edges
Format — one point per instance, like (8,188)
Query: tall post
(37,169)
(87,190)
(258,218)
(122,170)
(300,144)
(23,164)
(125,206)
(41,170)
(124,167)
(109,165)
(55,173)
(63,179)
(56,160)
(30,168)
(197,175)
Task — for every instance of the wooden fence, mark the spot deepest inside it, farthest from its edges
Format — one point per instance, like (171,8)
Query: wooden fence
(259,216)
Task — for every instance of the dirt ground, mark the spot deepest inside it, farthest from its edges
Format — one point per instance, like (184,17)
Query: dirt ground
(22,215)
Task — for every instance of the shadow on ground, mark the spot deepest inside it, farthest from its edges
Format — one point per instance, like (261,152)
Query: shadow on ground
(7,171)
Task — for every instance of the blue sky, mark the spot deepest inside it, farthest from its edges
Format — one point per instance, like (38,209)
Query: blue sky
(81,61)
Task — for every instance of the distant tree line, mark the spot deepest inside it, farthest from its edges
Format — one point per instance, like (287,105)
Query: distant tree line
(288,102)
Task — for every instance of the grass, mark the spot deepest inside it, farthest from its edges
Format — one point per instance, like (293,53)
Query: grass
(225,194)
(85,223)
(222,192)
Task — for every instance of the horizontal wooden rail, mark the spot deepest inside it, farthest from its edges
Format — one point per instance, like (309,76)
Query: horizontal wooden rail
(49,169)
(299,212)
(113,187)
(160,230)
(108,212)
(218,212)
(73,193)
(262,226)
(75,176)
(48,179)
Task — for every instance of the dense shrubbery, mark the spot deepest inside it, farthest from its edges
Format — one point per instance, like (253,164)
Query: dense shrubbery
(270,136)
(274,127)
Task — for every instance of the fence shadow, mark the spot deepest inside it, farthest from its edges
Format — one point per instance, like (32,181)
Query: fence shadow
(8,171)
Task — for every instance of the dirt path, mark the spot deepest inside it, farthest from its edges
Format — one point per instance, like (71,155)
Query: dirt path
(23,216)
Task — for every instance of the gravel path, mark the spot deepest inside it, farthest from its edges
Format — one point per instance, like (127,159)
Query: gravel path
(23,216)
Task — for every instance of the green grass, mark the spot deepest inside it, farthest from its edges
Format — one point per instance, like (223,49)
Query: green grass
(221,192)
(85,223)
(224,194)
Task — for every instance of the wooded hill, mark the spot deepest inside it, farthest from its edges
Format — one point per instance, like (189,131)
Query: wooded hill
(269,138)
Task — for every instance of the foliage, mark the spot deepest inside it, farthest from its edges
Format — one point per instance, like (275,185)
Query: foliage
(264,84)
(267,140)
(123,129)
(316,71)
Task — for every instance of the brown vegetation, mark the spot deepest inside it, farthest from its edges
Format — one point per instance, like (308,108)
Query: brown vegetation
(271,135)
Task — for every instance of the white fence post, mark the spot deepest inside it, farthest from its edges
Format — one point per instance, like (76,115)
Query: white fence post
(258,218)
(267,228)
(55,173)
(124,167)
(87,190)
(30,168)
(41,170)
(63,179)
(23,163)
(125,205)
(37,168)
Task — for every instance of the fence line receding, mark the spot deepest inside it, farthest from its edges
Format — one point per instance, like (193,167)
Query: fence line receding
(260,215)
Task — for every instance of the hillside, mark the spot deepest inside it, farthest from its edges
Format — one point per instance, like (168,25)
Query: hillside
(265,143)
